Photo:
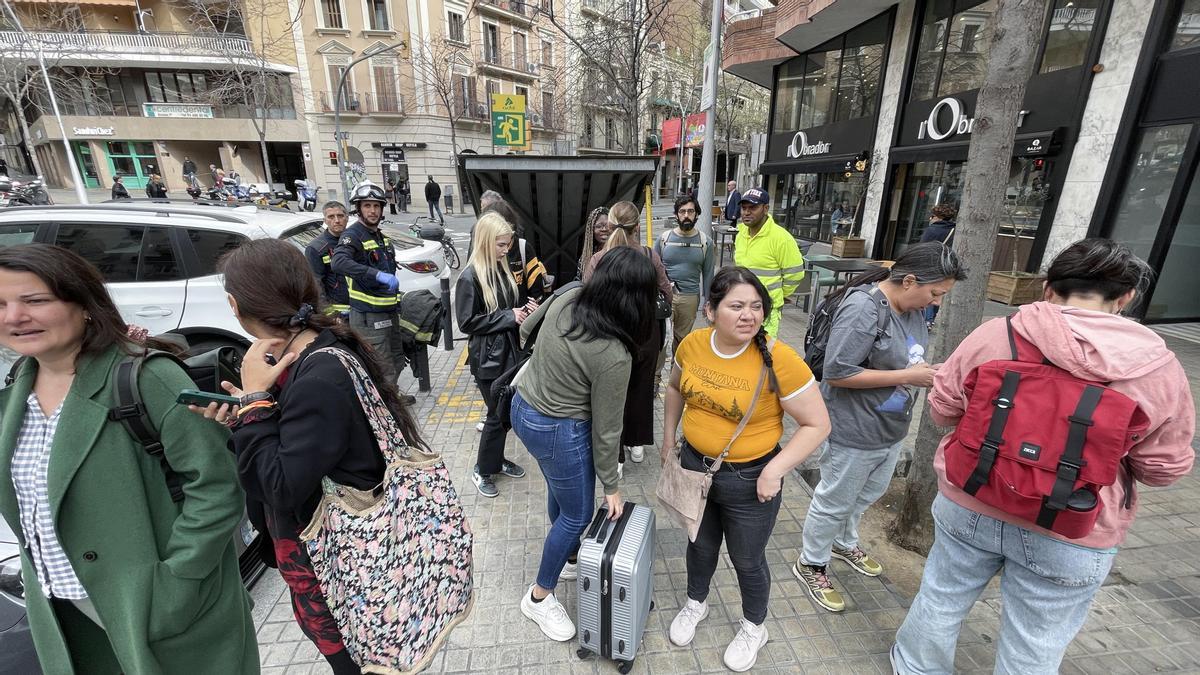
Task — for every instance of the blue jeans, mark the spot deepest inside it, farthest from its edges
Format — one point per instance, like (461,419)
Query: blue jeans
(931,313)
(851,481)
(562,447)
(434,206)
(1046,588)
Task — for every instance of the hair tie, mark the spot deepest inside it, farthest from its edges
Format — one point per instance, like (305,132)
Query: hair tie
(300,319)
(135,333)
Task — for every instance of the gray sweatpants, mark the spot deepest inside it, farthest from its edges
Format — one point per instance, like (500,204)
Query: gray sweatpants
(851,481)
(382,331)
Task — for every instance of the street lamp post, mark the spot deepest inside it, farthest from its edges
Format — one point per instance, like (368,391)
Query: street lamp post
(708,159)
(337,108)
(76,175)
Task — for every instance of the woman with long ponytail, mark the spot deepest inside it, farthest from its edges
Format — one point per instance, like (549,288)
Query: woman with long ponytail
(624,219)
(712,387)
(874,365)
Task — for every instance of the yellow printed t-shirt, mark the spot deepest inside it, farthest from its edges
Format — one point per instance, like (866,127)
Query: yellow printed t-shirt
(716,392)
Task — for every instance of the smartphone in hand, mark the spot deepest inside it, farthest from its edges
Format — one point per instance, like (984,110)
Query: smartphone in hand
(203,398)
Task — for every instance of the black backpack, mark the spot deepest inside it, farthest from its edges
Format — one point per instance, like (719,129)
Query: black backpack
(816,339)
(206,369)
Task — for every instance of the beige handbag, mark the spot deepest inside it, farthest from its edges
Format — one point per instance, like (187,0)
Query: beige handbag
(683,493)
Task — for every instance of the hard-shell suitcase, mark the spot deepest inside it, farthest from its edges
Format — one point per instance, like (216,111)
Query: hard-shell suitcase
(616,584)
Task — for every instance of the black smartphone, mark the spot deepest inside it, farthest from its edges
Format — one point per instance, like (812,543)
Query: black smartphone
(203,398)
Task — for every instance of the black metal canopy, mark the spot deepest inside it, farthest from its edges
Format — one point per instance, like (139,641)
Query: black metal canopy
(553,195)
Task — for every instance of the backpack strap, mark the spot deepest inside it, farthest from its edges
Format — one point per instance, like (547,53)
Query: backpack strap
(1071,460)
(1002,405)
(132,414)
(12,372)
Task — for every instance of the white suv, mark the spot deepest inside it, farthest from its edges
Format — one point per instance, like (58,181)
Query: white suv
(159,259)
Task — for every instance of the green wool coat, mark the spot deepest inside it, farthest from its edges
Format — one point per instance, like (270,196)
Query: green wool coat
(163,576)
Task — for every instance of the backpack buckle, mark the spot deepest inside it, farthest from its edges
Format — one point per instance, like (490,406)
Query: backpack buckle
(124,412)
(1002,403)
(1080,420)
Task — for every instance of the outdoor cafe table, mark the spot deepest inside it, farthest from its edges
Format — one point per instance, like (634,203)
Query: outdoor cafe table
(847,266)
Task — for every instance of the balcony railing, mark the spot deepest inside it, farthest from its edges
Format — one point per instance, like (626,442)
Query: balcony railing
(515,64)
(111,42)
(362,103)
(523,11)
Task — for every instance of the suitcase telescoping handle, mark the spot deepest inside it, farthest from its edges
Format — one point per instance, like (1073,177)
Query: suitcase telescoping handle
(602,527)
(597,522)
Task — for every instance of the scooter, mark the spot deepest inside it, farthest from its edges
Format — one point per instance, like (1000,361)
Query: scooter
(306,194)
(16,193)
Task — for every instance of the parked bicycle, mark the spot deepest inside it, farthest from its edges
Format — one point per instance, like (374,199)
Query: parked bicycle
(431,231)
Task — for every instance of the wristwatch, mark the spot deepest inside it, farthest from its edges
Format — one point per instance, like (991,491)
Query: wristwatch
(256,396)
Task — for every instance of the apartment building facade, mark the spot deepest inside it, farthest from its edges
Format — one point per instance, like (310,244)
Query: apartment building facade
(144,84)
(873,104)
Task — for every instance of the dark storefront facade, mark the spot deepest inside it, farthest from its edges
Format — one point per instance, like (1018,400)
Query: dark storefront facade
(1151,199)
(945,70)
(824,112)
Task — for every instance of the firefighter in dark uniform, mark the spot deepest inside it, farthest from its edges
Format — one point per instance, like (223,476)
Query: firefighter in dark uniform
(320,258)
(365,257)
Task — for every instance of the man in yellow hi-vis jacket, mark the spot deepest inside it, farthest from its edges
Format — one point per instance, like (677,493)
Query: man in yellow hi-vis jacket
(769,251)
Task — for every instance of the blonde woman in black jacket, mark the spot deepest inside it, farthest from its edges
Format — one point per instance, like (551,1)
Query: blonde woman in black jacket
(487,306)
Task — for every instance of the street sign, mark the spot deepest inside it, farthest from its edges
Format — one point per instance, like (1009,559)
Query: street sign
(508,121)
(706,96)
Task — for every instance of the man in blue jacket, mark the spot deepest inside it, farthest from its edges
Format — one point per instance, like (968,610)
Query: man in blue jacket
(732,209)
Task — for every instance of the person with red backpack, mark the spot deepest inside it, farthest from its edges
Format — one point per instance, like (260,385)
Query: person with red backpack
(1057,410)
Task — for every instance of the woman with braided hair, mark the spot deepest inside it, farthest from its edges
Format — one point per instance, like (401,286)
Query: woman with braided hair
(595,235)
(713,384)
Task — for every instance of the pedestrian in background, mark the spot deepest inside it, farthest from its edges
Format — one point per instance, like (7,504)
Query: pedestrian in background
(155,188)
(189,168)
(1047,582)
(433,195)
(687,255)
(595,235)
(487,304)
(732,204)
(118,189)
(334,292)
(527,268)
(391,196)
(119,577)
(941,228)
(639,399)
(404,194)
(722,374)
(568,412)
(769,251)
(874,365)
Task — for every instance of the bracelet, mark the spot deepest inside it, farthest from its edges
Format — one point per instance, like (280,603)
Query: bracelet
(256,396)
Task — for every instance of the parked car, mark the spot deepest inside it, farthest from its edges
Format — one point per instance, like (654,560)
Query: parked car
(160,258)
(16,644)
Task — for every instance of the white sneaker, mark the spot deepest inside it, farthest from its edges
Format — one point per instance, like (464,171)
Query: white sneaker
(683,627)
(570,572)
(549,615)
(479,427)
(742,653)
(637,453)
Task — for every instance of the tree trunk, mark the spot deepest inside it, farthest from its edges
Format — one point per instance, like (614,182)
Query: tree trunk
(1017,29)
(262,147)
(37,165)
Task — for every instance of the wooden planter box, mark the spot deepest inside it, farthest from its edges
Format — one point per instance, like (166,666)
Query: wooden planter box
(849,247)
(1014,289)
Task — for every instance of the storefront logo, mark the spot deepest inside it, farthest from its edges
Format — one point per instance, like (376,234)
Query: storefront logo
(183,110)
(959,123)
(92,131)
(800,146)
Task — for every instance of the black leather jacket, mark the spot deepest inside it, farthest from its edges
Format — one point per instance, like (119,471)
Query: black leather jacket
(494,336)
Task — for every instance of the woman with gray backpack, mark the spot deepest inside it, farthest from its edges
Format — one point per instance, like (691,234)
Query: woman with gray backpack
(867,343)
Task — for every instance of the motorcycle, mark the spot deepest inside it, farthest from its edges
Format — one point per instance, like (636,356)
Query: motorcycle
(306,194)
(16,193)
(193,189)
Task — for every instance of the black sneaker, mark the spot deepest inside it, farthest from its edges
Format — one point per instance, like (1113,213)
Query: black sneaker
(487,486)
(511,470)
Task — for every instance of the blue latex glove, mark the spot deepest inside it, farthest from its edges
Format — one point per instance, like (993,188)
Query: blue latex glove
(388,280)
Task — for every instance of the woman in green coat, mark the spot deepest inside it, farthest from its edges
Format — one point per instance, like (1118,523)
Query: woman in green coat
(118,576)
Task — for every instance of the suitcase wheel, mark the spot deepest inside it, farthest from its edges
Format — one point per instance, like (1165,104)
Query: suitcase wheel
(651,605)
(624,667)
(583,654)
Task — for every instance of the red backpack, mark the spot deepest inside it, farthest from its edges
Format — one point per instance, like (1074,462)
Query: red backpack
(1038,443)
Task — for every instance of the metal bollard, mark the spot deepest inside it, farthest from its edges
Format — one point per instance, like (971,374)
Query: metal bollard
(447,320)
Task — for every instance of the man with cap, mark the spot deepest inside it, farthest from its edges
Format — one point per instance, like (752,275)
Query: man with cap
(769,251)
(320,259)
(365,257)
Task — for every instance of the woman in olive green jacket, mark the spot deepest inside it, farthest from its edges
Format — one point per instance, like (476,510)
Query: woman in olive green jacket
(118,576)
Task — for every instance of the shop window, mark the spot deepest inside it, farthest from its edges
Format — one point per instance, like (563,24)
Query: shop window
(1151,175)
(112,249)
(1071,25)
(930,49)
(818,206)
(964,61)
(1187,28)
(1175,294)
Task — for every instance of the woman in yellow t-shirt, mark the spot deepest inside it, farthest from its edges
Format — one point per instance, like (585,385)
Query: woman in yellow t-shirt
(716,372)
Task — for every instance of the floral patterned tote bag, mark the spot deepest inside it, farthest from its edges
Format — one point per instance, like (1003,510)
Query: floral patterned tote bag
(394,562)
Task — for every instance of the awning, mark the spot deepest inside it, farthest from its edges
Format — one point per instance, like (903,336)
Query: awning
(829,164)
